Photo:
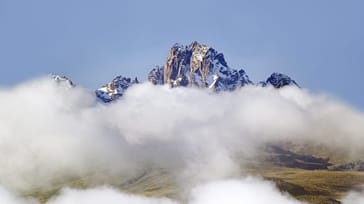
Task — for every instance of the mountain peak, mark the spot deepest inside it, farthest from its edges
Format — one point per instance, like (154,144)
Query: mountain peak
(198,46)
(198,65)
(195,65)
(279,80)
(62,80)
(115,88)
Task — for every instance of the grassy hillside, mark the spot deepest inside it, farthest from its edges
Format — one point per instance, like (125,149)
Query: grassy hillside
(315,186)
(312,186)
(298,171)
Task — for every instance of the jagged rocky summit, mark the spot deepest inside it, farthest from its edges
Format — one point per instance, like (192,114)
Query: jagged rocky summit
(115,88)
(195,65)
(278,80)
(202,66)
(198,65)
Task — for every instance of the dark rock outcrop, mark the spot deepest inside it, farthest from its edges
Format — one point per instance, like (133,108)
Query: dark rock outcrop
(278,80)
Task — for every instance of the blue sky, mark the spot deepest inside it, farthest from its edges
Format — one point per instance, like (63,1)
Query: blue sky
(319,43)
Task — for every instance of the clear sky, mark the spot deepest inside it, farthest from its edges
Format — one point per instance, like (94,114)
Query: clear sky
(319,43)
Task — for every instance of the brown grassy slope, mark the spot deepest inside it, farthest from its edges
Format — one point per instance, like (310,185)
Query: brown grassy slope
(317,186)
(312,186)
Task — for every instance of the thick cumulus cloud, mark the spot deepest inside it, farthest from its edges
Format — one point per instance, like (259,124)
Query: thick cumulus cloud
(50,133)
(90,196)
(250,190)
(7,197)
(104,195)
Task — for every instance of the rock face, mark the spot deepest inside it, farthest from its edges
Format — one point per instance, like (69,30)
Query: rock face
(200,66)
(278,80)
(115,88)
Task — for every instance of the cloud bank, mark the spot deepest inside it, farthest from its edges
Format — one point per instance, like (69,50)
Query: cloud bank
(249,190)
(104,195)
(7,197)
(50,133)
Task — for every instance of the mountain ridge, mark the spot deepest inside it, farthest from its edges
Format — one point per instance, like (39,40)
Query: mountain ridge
(195,65)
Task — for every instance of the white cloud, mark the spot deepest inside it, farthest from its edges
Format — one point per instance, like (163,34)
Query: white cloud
(7,197)
(104,195)
(50,134)
(249,190)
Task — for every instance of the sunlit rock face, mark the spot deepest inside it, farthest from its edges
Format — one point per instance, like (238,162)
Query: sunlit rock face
(156,75)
